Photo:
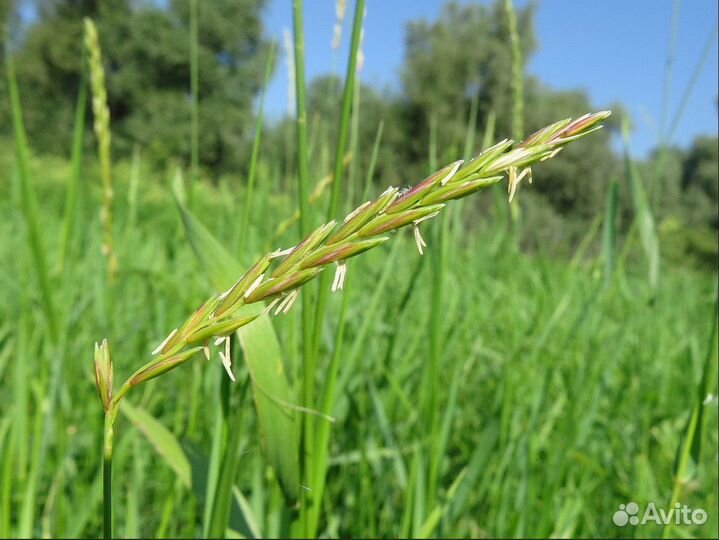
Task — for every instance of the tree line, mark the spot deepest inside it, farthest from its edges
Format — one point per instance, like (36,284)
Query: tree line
(459,61)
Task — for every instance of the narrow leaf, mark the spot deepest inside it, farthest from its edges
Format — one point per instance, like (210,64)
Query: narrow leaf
(161,439)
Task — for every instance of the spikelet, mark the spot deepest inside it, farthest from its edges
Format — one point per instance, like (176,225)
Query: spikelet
(101,114)
(278,276)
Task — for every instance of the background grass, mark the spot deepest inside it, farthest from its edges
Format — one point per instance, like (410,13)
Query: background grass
(493,387)
(559,398)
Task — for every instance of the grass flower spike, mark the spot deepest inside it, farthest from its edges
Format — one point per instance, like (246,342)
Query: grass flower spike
(366,227)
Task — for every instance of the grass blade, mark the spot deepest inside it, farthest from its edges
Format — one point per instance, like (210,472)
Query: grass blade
(430,524)
(643,214)
(222,500)
(162,440)
(609,233)
(303,204)
(688,453)
(133,188)
(76,162)
(29,201)
(255,153)
(273,401)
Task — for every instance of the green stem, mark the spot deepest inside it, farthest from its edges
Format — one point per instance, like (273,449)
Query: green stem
(222,500)
(302,194)
(76,158)
(107,473)
(255,152)
(343,133)
(435,334)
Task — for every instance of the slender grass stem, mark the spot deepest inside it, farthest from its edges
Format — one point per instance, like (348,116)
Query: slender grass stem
(194,105)
(348,96)
(431,416)
(255,153)
(302,194)
(108,434)
(517,77)
(517,102)
(76,158)
(323,295)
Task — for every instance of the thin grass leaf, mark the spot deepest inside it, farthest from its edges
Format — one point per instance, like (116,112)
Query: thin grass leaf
(246,514)
(162,440)
(29,201)
(222,500)
(689,450)
(609,232)
(255,152)
(389,438)
(194,100)
(304,227)
(75,165)
(133,187)
(643,214)
(438,511)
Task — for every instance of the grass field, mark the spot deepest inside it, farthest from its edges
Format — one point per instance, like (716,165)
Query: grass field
(494,387)
(559,397)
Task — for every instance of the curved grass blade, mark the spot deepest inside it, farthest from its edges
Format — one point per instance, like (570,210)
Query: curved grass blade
(643,214)
(161,439)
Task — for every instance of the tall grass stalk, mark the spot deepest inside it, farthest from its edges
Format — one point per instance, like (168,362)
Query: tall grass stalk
(29,201)
(195,101)
(517,76)
(690,447)
(431,374)
(133,187)
(698,67)
(342,137)
(517,101)
(310,510)
(75,165)
(330,387)
(307,437)
(668,71)
(255,152)
(609,232)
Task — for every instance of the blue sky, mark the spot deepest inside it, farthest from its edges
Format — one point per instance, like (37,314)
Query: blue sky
(616,50)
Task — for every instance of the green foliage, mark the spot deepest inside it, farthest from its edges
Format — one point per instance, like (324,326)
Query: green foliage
(559,182)
(447,61)
(699,180)
(146,54)
(560,392)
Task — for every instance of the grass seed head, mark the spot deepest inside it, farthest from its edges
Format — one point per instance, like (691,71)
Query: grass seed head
(103,373)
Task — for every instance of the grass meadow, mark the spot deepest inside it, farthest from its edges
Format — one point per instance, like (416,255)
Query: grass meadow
(490,388)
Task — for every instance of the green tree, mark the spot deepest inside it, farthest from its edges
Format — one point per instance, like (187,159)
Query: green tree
(146,54)
(700,181)
(464,52)
(575,186)
(323,101)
